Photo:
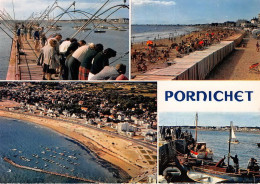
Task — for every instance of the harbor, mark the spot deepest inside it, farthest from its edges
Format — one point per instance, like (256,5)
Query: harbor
(191,155)
(47,172)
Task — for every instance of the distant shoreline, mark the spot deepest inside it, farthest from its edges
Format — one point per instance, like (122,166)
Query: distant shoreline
(207,130)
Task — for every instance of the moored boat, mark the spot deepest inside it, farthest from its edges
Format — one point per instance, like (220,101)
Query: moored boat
(204,178)
(99,31)
(201,151)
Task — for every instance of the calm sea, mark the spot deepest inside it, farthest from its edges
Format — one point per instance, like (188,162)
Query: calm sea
(19,139)
(117,40)
(5,50)
(217,141)
(151,32)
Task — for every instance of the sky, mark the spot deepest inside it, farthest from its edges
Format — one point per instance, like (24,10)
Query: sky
(192,11)
(209,119)
(24,8)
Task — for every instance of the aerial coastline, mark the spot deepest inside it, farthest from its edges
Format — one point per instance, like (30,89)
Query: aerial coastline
(123,159)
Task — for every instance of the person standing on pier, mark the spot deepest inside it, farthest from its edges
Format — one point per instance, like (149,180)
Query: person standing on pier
(51,59)
(36,37)
(86,64)
(30,29)
(18,34)
(236,163)
(100,61)
(73,63)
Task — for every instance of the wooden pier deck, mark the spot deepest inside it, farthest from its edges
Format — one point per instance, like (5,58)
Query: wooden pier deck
(23,62)
(47,172)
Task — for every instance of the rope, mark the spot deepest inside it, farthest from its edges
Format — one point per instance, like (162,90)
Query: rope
(120,57)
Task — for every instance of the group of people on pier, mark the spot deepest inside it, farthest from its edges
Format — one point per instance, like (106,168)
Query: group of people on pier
(71,59)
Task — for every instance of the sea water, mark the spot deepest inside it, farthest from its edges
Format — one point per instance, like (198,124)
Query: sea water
(142,33)
(117,40)
(19,139)
(5,51)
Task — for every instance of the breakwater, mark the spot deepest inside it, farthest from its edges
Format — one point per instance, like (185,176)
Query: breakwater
(47,172)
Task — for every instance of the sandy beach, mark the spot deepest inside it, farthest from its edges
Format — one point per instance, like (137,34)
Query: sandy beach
(236,65)
(122,153)
(165,44)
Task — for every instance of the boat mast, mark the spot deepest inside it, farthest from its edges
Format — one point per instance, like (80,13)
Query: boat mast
(196,130)
(229,142)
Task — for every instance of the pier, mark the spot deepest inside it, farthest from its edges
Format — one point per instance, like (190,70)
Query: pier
(195,66)
(47,172)
(23,62)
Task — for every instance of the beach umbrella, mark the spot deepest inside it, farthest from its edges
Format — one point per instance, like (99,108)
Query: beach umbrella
(201,42)
(149,42)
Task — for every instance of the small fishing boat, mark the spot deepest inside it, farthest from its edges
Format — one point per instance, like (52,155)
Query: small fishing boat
(204,178)
(9,170)
(102,27)
(200,149)
(121,30)
(112,28)
(99,31)
(258,144)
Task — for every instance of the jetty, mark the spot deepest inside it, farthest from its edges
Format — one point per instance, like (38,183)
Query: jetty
(23,57)
(196,65)
(47,172)
(23,62)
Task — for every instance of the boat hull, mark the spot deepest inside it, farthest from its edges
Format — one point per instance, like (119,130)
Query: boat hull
(230,177)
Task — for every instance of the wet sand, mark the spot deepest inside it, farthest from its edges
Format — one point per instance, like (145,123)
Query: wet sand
(236,65)
(119,152)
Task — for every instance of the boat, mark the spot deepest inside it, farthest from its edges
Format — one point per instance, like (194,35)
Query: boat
(233,139)
(204,178)
(243,177)
(99,31)
(9,170)
(102,27)
(200,149)
(112,28)
(258,144)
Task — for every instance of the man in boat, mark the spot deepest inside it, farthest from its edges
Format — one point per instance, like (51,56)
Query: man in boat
(236,163)
(252,165)
(221,163)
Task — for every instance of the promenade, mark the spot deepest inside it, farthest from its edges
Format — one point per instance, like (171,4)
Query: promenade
(236,65)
